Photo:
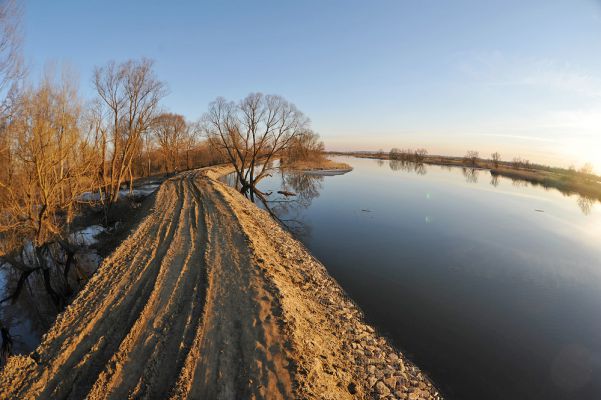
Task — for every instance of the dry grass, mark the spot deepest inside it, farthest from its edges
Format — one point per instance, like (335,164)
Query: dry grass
(320,164)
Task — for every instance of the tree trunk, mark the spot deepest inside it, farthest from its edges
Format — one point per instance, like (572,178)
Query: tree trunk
(131,181)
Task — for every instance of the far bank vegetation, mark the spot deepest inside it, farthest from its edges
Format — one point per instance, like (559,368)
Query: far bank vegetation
(572,180)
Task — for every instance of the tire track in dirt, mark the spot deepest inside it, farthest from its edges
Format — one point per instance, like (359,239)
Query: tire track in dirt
(248,343)
(110,308)
(210,299)
(173,312)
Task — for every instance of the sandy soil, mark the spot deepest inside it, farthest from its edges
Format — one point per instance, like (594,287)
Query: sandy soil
(210,299)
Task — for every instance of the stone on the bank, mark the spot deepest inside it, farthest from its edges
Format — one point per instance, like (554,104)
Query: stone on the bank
(391,382)
(382,389)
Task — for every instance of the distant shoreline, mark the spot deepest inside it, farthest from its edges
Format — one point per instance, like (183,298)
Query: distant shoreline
(566,181)
(320,166)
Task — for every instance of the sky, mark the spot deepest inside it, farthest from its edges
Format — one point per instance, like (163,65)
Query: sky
(519,77)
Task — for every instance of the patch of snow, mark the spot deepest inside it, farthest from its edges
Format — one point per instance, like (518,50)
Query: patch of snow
(90,196)
(141,191)
(88,262)
(87,236)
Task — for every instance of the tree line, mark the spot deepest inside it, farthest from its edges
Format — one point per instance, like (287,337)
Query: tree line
(60,152)
(55,147)
(473,159)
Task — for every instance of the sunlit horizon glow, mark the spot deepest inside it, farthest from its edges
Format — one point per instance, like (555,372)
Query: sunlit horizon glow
(563,153)
(521,78)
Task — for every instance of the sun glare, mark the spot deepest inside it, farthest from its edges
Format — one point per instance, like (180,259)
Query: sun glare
(579,151)
(592,155)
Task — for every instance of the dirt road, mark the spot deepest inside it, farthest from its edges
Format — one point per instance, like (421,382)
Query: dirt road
(210,299)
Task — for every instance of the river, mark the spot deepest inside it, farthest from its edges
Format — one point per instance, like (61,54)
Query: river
(491,286)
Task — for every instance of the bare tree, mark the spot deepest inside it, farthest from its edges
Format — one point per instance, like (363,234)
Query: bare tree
(129,94)
(305,146)
(51,162)
(471,157)
(519,162)
(10,73)
(420,155)
(587,169)
(250,133)
(171,132)
(11,66)
(496,158)
(395,154)
(190,142)
(408,155)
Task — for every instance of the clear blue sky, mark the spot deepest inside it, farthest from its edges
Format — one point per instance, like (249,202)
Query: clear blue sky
(522,77)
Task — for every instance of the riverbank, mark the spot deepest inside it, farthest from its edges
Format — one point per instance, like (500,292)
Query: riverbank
(338,354)
(566,181)
(209,297)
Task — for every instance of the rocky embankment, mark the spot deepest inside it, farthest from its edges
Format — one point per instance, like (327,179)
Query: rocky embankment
(338,354)
(210,298)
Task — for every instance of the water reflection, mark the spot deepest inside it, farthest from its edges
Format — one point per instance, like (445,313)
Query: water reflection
(306,186)
(408,166)
(472,274)
(586,204)
(35,285)
(470,174)
(288,193)
(519,183)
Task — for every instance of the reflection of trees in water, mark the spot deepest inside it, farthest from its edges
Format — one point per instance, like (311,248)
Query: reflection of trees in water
(408,166)
(586,204)
(380,162)
(470,174)
(519,182)
(37,285)
(287,209)
(306,186)
(420,169)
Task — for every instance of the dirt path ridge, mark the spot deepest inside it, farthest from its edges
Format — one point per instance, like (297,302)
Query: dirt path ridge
(209,298)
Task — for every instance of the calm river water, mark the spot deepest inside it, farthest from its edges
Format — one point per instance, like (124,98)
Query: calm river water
(492,287)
